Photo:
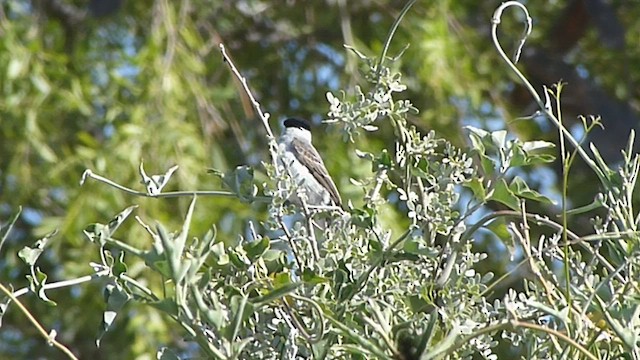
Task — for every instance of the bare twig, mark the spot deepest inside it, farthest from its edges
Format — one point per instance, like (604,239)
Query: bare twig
(514,324)
(256,105)
(49,336)
(575,239)
(312,339)
(313,242)
(89,174)
(381,176)
(65,283)
(392,32)
(287,234)
(525,241)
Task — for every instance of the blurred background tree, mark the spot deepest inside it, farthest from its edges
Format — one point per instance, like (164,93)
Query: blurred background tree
(105,84)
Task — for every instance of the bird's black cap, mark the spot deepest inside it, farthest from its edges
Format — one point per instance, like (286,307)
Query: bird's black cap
(298,123)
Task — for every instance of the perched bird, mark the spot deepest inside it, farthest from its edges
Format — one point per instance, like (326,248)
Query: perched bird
(305,164)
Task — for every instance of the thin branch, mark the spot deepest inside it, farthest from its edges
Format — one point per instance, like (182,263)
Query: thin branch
(256,105)
(370,346)
(556,334)
(287,234)
(313,241)
(525,243)
(497,15)
(65,283)
(172,194)
(392,32)
(139,286)
(521,324)
(575,239)
(50,336)
(362,279)
(381,176)
(312,339)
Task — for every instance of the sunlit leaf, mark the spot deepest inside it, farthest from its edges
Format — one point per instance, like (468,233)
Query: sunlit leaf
(520,188)
(30,255)
(503,194)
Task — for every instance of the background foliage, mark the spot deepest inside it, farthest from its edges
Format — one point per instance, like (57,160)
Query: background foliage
(107,84)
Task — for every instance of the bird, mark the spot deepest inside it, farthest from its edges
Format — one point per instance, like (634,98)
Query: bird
(305,166)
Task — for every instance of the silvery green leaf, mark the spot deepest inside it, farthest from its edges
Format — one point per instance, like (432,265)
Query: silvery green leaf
(156,183)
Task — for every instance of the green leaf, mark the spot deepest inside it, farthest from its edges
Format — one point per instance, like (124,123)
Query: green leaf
(272,255)
(31,255)
(238,346)
(476,186)
(275,260)
(364,217)
(119,267)
(275,294)
(476,135)
(488,164)
(384,159)
(168,306)
(482,139)
(255,249)
(521,189)
(100,233)
(499,139)
(116,298)
(418,305)
(219,254)
(240,181)
(241,310)
(428,333)
(310,277)
(529,146)
(503,194)
(97,233)
(418,246)
(155,183)
(115,223)
(499,227)
(478,147)
(609,175)
(238,258)
(367,346)
(157,262)
(517,156)
(522,154)
(217,317)
(281,279)
(535,159)
(37,283)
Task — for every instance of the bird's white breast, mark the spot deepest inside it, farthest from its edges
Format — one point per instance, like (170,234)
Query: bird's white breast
(316,193)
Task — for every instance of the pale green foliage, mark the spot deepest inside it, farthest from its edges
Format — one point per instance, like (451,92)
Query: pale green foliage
(372,105)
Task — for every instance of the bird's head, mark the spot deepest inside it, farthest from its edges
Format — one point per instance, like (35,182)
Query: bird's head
(298,127)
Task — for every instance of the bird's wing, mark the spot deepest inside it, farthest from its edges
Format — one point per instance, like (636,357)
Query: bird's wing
(309,157)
